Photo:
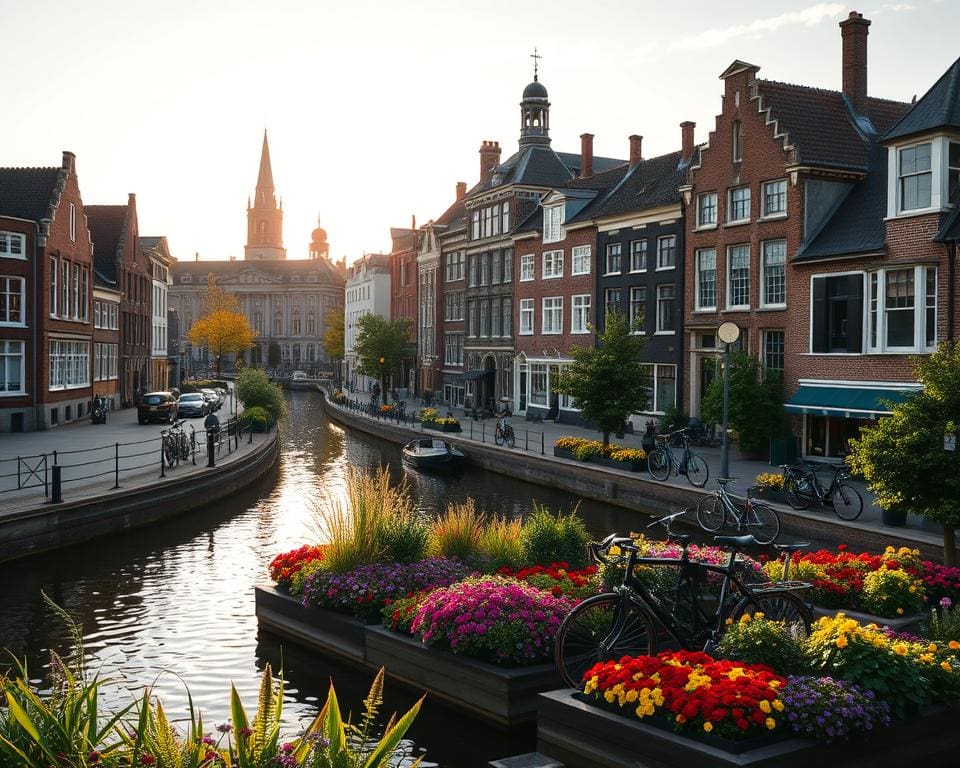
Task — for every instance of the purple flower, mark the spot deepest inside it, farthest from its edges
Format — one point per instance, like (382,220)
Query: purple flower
(945,602)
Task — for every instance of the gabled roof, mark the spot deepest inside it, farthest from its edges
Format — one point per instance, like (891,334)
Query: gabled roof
(600,164)
(600,184)
(651,183)
(25,193)
(106,231)
(939,108)
(535,165)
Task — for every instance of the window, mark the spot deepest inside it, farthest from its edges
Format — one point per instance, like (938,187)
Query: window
(737,141)
(507,312)
(774,273)
(553,315)
(475,225)
(54,271)
(96,316)
(580,260)
(505,217)
(12,368)
(495,318)
(485,269)
(552,264)
(526,317)
(75,293)
(638,308)
(472,324)
(73,223)
(611,300)
(455,266)
(296,323)
(13,245)
(775,198)
(311,324)
(916,177)
(495,267)
(115,317)
(69,364)
(508,265)
(453,349)
(85,294)
(903,309)
(453,306)
(11,301)
(837,319)
(538,383)
(667,252)
(278,324)
(552,223)
(773,342)
(738,277)
(580,314)
(953,173)
(104,362)
(706,262)
(660,381)
(707,209)
(738,207)
(526,267)
(64,288)
(474,267)
(186,278)
(613,259)
(638,255)
(258,323)
(666,295)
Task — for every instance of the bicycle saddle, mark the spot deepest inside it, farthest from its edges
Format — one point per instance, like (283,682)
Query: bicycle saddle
(725,480)
(736,541)
(796,546)
(679,538)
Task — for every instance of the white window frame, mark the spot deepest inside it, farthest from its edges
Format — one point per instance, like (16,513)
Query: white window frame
(6,352)
(730,205)
(875,307)
(527,268)
(635,250)
(9,279)
(552,264)
(931,172)
(660,250)
(580,259)
(712,223)
(580,313)
(527,317)
(699,279)
(73,223)
(654,378)
(69,364)
(54,286)
(553,312)
(7,249)
(764,301)
(636,327)
(666,318)
(607,253)
(553,223)
(765,212)
(730,249)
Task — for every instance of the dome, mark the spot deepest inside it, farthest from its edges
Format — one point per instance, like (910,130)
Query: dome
(319,235)
(535,91)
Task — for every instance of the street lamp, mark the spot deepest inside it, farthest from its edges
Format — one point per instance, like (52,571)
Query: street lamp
(383,382)
(728,333)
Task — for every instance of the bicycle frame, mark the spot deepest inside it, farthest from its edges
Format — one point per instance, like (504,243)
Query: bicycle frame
(814,490)
(735,510)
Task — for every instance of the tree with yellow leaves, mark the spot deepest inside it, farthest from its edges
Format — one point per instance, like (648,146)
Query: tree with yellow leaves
(222,329)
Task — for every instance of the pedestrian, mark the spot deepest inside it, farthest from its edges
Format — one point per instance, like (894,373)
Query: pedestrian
(211,423)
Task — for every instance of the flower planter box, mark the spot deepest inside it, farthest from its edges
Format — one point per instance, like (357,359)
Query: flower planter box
(772,495)
(504,695)
(626,466)
(564,453)
(581,735)
(441,427)
(329,632)
(898,624)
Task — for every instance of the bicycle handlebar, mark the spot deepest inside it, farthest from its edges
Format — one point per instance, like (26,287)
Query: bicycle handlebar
(666,520)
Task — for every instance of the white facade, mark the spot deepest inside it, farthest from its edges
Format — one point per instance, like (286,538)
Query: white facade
(367,292)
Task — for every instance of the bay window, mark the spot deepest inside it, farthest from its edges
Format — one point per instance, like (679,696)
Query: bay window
(916,177)
(903,310)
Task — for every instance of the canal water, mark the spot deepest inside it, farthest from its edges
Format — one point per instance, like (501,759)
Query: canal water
(171,606)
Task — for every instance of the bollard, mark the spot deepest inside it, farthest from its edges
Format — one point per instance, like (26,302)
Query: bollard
(162,469)
(116,465)
(211,462)
(541,444)
(526,439)
(57,490)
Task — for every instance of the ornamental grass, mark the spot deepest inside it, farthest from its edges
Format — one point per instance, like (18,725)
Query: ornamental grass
(458,532)
(549,537)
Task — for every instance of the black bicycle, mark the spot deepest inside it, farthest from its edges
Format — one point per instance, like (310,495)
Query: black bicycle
(661,460)
(503,434)
(719,509)
(690,600)
(803,488)
(176,444)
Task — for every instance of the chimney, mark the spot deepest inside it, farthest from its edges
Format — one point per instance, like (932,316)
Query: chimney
(413,221)
(635,143)
(461,190)
(586,155)
(69,160)
(489,158)
(854,30)
(686,131)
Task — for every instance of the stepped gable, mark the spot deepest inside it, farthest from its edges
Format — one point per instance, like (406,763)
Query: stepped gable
(25,193)
(938,108)
(105,223)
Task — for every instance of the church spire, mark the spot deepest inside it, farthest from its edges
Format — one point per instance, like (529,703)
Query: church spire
(265,194)
(264,217)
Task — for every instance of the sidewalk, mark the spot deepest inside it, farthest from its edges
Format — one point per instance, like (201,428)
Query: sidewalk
(530,436)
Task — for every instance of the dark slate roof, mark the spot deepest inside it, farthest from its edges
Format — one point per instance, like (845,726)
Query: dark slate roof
(25,192)
(536,165)
(600,164)
(106,230)
(821,126)
(455,215)
(950,230)
(601,183)
(939,108)
(146,243)
(652,182)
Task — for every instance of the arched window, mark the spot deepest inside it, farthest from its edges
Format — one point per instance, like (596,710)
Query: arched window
(261,227)
(278,324)
(258,323)
(296,323)
(311,324)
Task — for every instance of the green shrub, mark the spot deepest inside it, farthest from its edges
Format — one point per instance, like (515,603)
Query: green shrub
(755,640)
(501,543)
(255,389)
(405,538)
(457,533)
(943,625)
(549,538)
(257,414)
(891,593)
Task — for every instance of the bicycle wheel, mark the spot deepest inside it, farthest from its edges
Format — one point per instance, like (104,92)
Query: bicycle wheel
(697,471)
(847,502)
(777,606)
(184,446)
(510,439)
(658,464)
(798,495)
(169,452)
(600,628)
(498,436)
(711,513)
(763,522)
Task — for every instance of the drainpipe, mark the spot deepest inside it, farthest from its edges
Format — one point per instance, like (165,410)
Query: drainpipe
(951,287)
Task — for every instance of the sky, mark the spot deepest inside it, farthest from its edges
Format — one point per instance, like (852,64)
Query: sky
(375,110)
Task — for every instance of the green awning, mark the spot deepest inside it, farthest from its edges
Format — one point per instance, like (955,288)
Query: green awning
(845,402)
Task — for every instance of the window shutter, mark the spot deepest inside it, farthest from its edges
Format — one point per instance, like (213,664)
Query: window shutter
(854,313)
(821,330)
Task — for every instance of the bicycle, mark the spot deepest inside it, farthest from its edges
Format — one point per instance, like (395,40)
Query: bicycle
(503,434)
(803,489)
(718,509)
(661,460)
(625,621)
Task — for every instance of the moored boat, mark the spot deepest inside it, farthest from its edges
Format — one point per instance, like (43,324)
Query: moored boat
(430,453)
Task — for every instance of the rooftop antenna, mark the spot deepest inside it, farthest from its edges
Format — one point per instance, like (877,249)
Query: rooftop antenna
(536,61)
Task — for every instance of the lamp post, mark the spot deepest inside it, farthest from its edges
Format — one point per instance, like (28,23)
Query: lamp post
(383,382)
(728,333)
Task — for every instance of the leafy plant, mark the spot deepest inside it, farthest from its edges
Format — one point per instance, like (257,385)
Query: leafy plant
(255,389)
(943,623)
(501,542)
(405,538)
(892,592)
(830,710)
(257,414)
(548,538)
(756,640)
(458,532)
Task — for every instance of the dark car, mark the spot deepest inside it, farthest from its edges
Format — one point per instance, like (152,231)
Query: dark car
(192,404)
(157,406)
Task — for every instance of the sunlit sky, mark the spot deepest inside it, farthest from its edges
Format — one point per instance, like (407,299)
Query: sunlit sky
(376,109)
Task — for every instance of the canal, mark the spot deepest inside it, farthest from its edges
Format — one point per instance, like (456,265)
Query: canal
(171,606)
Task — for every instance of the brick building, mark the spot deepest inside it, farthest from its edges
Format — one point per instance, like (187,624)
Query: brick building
(451,232)
(106,340)
(46,298)
(404,279)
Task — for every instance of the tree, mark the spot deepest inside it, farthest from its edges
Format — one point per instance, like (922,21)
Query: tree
(904,458)
(222,333)
(756,403)
(217,300)
(380,346)
(333,343)
(274,355)
(607,382)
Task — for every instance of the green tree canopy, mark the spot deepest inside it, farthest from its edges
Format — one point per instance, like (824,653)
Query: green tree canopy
(607,381)
(382,340)
(333,333)
(904,459)
(756,403)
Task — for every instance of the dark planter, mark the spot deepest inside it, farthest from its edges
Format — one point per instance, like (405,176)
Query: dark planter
(897,624)
(772,495)
(328,632)
(896,517)
(585,736)
(564,453)
(626,466)
(441,427)
(504,695)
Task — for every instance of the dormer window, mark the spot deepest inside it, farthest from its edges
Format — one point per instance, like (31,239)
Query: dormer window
(916,177)
(924,177)
(553,224)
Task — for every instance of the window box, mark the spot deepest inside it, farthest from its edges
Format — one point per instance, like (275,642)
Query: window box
(505,695)
(441,427)
(625,466)
(564,453)
(907,623)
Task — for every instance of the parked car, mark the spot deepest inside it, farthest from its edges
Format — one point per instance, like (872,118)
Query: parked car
(157,406)
(192,404)
(213,399)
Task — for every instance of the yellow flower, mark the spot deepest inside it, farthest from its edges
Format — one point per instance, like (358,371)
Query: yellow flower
(708,726)
(953,645)
(736,672)
(900,649)
(765,706)
(932,647)
(770,723)
(899,611)
(778,705)
(774,684)
(758,615)
(927,658)
(945,666)
(745,618)
(681,719)
(591,685)
(842,641)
